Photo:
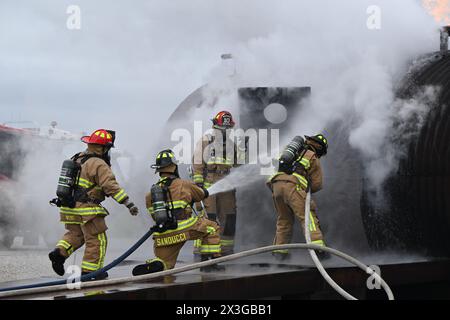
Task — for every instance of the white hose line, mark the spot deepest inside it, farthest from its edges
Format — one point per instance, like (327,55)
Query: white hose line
(322,270)
(112,282)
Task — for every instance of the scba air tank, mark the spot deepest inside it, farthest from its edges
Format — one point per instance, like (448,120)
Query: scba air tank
(290,154)
(67,182)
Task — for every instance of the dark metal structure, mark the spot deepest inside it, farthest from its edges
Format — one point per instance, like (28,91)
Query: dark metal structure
(418,280)
(414,213)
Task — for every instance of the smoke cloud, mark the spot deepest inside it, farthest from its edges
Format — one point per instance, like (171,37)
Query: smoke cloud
(131,63)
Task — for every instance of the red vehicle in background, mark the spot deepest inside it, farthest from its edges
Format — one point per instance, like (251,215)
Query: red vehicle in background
(30,159)
(10,163)
(20,148)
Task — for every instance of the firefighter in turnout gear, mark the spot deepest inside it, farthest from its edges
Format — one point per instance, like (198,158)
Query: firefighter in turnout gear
(214,157)
(289,188)
(85,219)
(170,203)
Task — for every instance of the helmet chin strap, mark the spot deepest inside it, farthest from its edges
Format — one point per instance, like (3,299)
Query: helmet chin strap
(317,151)
(107,155)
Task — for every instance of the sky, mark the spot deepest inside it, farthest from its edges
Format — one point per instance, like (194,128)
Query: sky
(132,62)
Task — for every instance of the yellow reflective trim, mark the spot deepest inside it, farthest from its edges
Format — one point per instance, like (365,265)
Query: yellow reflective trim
(211,248)
(179,204)
(157,259)
(71,222)
(64,244)
(197,243)
(319,243)
(85,183)
(210,230)
(198,178)
(312,225)
(120,196)
(302,180)
(227,242)
(89,266)
(83,211)
(102,239)
(219,160)
(170,240)
(183,224)
(84,267)
(305,162)
(207,185)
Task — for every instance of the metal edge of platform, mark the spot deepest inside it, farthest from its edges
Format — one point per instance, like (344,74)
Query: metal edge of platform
(296,284)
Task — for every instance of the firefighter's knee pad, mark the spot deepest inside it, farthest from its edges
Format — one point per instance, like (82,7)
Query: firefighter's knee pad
(230,225)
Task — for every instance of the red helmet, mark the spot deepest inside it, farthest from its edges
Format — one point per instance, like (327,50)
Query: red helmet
(102,137)
(223,120)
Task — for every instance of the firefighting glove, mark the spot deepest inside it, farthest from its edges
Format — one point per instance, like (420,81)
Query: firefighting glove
(206,192)
(131,207)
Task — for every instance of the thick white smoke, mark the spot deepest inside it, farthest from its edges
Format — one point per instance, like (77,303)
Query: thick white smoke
(132,63)
(353,70)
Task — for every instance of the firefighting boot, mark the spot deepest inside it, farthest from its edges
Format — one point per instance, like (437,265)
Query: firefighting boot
(150,267)
(212,268)
(322,255)
(281,255)
(57,260)
(101,276)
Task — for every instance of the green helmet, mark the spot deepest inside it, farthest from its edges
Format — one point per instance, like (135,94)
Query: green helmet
(322,141)
(164,159)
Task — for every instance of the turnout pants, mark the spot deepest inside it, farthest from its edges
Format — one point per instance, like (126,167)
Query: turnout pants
(167,245)
(91,233)
(222,207)
(289,201)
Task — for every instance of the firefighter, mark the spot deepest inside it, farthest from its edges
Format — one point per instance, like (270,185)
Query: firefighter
(214,157)
(289,192)
(85,222)
(170,203)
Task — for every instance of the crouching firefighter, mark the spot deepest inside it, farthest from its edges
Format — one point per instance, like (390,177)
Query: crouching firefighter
(299,170)
(86,179)
(170,203)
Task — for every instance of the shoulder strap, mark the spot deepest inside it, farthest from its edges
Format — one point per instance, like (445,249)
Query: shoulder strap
(76,156)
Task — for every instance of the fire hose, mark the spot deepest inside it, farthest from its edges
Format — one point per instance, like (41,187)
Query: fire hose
(112,282)
(62,285)
(87,276)
(322,270)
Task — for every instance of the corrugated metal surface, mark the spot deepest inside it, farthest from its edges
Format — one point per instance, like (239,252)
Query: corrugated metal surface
(415,212)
